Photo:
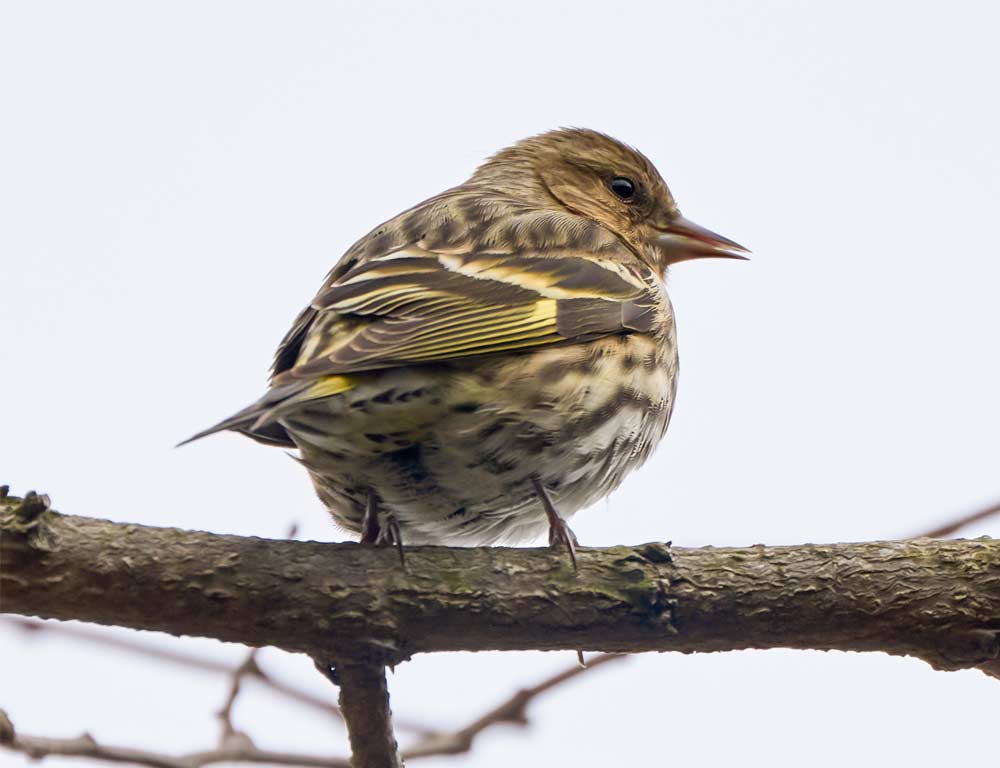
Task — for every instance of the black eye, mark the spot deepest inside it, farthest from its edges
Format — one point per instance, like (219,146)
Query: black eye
(624,188)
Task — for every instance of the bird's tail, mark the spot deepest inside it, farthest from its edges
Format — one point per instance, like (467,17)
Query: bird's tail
(259,420)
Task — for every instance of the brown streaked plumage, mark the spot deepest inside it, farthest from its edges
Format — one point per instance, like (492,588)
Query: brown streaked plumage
(497,353)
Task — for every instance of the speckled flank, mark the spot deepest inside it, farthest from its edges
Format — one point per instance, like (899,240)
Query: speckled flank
(452,451)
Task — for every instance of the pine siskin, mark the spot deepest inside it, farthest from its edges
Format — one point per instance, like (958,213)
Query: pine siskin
(501,351)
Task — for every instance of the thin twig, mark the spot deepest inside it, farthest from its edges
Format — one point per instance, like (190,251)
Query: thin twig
(177,657)
(37,747)
(512,710)
(230,735)
(947,529)
(118,642)
(194,661)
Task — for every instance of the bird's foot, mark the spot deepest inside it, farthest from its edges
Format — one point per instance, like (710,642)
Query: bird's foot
(560,534)
(370,528)
(390,536)
(381,533)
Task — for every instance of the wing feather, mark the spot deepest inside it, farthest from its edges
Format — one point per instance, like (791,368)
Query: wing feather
(417,306)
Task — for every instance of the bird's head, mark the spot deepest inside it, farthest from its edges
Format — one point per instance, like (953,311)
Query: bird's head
(589,174)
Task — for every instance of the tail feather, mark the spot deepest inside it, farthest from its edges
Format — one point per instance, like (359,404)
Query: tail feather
(272,434)
(238,422)
(259,420)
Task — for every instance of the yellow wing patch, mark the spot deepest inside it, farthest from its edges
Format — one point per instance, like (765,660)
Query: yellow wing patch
(493,334)
(325,386)
(328,386)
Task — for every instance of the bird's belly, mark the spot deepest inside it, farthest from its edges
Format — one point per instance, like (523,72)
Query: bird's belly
(454,462)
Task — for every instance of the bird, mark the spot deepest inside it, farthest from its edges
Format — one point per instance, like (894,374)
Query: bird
(483,365)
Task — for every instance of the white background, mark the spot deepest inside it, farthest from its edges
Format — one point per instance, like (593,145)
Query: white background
(176,178)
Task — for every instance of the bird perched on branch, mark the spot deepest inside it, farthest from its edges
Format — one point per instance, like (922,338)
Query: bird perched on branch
(485,364)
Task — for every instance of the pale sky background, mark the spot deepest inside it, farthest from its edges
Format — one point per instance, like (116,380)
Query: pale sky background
(177,177)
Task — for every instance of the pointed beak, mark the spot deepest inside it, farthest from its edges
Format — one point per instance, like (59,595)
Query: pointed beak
(683,240)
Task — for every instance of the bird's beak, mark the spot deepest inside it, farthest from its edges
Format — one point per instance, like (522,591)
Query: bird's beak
(683,240)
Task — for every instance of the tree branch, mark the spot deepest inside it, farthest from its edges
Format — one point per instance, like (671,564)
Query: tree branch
(364,702)
(936,600)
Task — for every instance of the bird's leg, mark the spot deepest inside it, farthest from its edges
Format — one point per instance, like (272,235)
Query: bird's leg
(369,523)
(384,533)
(390,535)
(374,532)
(559,533)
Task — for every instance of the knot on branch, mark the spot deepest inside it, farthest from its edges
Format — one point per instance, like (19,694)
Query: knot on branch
(648,590)
(26,511)
(24,516)
(972,648)
(656,552)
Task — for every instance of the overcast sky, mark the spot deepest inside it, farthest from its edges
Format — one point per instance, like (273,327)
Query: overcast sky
(176,178)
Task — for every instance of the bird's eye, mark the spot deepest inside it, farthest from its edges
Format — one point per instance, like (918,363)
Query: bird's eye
(623,188)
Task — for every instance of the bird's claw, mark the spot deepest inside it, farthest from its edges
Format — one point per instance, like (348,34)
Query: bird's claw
(389,535)
(560,535)
(384,533)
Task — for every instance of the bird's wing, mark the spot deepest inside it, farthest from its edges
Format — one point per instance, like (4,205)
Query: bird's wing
(415,306)
(450,281)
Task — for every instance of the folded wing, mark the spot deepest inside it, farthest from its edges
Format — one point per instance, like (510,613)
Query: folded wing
(414,306)
(421,292)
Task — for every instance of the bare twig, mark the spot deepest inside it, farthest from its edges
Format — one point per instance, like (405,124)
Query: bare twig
(953,526)
(37,747)
(230,735)
(513,710)
(118,642)
(304,697)
(177,657)
(203,663)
